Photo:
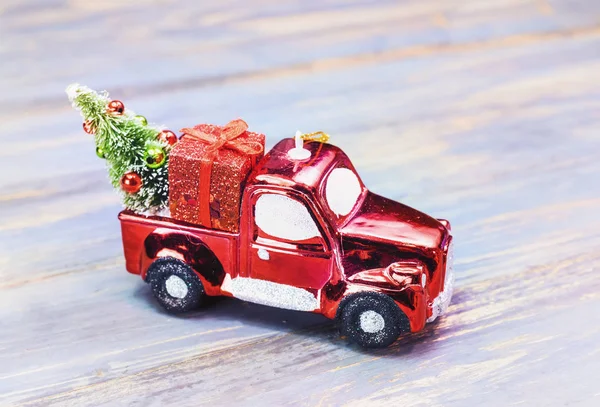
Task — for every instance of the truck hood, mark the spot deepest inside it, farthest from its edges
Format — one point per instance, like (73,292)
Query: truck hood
(384,220)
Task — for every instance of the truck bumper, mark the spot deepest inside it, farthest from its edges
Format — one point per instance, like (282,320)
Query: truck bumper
(415,308)
(442,301)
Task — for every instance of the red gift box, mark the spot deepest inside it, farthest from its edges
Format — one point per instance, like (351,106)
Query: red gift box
(208,168)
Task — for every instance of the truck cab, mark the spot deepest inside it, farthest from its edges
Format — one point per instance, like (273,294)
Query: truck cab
(312,238)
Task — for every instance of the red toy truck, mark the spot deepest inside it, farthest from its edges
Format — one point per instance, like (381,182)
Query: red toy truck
(311,238)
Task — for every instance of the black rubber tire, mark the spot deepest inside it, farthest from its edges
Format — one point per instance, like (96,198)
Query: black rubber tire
(395,322)
(157,276)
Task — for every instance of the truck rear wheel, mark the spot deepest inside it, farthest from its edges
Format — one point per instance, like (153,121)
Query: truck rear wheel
(372,320)
(175,285)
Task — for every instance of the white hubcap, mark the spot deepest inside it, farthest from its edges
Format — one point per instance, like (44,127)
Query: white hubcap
(176,287)
(371,322)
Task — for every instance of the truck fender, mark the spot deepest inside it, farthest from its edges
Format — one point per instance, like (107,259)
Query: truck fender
(187,248)
(410,299)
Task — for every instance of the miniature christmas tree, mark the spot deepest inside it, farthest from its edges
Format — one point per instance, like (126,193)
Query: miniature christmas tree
(136,153)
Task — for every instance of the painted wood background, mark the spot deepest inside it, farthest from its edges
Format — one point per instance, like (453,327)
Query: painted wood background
(485,112)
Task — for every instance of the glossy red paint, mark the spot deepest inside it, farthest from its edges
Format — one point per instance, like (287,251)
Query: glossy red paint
(382,220)
(380,246)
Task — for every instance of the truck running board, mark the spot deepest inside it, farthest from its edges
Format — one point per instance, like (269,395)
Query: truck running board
(271,294)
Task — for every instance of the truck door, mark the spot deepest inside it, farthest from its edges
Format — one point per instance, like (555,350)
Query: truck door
(289,257)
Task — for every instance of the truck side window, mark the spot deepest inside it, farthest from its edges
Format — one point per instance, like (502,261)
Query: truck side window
(342,191)
(285,218)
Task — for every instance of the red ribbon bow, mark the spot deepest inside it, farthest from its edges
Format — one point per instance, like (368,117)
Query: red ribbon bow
(228,137)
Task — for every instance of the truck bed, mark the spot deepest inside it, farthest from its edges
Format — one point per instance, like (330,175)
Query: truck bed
(136,230)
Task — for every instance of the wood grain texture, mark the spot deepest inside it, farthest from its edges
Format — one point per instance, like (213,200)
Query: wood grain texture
(483,112)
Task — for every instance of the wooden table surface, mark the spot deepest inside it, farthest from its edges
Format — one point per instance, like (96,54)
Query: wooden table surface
(483,112)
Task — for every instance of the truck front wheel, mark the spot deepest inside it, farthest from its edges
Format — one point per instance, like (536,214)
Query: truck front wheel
(371,320)
(175,285)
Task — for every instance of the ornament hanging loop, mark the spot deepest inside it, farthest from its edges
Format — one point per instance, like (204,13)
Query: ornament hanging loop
(319,136)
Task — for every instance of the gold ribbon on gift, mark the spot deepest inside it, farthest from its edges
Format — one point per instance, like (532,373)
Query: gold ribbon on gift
(227,137)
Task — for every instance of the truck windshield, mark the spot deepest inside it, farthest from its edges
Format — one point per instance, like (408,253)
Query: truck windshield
(342,190)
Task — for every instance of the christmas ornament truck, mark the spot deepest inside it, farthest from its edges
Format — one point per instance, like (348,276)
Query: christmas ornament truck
(311,238)
(209,214)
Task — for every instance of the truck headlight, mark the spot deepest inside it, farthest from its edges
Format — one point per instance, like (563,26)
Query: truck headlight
(402,279)
(408,272)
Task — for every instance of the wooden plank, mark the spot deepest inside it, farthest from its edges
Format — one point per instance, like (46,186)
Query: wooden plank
(103,323)
(481,112)
(501,348)
(195,44)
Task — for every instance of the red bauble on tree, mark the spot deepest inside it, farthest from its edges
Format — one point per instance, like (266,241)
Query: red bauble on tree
(88,127)
(131,182)
(115,107)
(167,136)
